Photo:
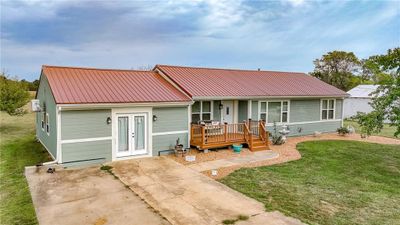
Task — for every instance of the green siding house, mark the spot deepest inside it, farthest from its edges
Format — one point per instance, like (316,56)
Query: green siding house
(91,115)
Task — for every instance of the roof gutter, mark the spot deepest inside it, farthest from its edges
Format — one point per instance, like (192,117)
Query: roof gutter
(121,105)
(197,98)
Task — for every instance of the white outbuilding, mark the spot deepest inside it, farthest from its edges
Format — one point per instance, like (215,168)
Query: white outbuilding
(359,100)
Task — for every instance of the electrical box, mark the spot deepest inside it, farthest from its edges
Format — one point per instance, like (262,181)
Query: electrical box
(35,105)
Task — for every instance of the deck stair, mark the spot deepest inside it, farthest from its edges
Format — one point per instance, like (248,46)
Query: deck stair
(258,145)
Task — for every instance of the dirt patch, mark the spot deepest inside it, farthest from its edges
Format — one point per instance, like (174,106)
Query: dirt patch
(210,156)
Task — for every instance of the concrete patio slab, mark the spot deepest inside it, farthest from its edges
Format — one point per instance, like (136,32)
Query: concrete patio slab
(86,196)
(185,196)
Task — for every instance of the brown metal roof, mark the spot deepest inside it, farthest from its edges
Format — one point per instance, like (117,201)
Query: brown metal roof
(71,85)
(212,82)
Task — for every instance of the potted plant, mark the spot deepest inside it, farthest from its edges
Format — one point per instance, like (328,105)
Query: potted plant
(237,148)
(343,131)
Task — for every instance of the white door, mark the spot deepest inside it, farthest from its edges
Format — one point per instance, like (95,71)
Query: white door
(131,134)
(227,111)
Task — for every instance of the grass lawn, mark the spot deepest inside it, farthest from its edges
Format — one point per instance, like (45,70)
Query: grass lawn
(387,130)
(335,182)
(18,149)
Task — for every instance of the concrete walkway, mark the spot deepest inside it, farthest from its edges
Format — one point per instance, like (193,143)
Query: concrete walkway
(86,196)
(185,196)
(237,161)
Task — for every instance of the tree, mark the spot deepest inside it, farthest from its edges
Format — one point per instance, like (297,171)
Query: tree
(34,85)
(13,95)
(338,68)
(386,99)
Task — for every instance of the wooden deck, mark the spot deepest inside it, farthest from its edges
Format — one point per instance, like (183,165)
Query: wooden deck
(252,133)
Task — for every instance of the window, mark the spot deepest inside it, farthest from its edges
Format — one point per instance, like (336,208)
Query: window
(43,119)
(47,123)
(327,109)
(201,110)
(43,116)
(285,112)
(274,111)
(263,111)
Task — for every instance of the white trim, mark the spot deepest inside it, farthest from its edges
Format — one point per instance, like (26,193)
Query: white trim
(306,122)
(85,140)
(327,109)
(212,110)
(249,108)
(138,156)
(114,124)
(42,123)
(58,134)
(235,111)
(267,107)
(288,111)
(170,132)
(131,129)
(342,111)
(200,113)
(189,126)
(223,111)
(47,125)
(208,98)
(122,105)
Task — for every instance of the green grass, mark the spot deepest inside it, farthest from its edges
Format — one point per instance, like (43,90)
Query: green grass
(387,130)
(18,149)
(335,182)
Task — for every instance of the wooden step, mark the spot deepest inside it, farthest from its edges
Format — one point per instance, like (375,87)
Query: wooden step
(259,148)
(259,143)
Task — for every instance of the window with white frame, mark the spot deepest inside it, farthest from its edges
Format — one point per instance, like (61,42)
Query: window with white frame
(274,111)
(201,110)
(43,116)
(47,123)
(43,119)
(328,109)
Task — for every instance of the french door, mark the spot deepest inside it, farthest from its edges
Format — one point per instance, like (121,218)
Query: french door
(131,134)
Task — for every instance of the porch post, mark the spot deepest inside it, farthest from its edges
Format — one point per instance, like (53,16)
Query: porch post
(203,134)
(249,105)
(226,131)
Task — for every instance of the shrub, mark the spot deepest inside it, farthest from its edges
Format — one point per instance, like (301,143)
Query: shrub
(343,131)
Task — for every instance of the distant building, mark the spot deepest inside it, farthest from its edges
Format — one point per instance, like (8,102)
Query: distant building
(359,100)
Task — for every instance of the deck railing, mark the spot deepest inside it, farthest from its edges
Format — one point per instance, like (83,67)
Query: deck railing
(209,136)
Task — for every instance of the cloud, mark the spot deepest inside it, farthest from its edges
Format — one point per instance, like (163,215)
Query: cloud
(296,2)
(276,35)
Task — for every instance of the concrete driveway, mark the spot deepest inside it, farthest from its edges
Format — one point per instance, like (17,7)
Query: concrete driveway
(86,196)
(185,196)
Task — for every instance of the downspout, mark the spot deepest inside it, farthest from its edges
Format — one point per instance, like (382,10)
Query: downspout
(342,111)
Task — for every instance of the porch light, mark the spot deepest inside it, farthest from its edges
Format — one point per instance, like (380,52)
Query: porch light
(154,118)
(108,121)
(221,106)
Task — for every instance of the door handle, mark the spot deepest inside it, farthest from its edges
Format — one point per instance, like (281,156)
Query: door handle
(133,135)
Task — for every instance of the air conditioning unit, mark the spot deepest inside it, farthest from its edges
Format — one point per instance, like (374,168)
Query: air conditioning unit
(35,105)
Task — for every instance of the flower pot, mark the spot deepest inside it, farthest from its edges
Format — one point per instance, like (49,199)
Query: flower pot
(237,148)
